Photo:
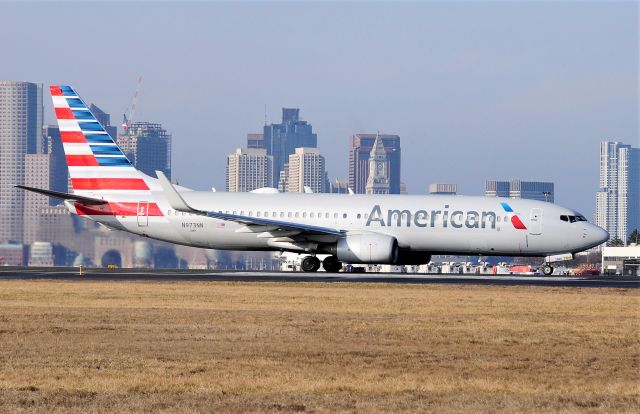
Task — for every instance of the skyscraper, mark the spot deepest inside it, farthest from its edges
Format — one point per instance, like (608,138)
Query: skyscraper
(20,134)
(378,179)
(255,140)
(281,140)
(59,174)
(618,200)
(530,190)
(148,147)
(38,171)
(306,169)
(359,151)
(249,169)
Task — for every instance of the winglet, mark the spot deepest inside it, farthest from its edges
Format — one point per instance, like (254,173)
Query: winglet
(175,199)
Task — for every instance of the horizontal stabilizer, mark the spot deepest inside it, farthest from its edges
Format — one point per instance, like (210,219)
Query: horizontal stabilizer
(173,196)
(64,196)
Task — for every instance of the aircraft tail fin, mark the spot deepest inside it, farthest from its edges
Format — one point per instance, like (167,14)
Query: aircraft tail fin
(96,164)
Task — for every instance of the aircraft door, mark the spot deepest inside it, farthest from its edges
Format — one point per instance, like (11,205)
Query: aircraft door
(535,221)
(142,213)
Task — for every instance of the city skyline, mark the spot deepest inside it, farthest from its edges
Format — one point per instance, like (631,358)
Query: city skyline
(481,97)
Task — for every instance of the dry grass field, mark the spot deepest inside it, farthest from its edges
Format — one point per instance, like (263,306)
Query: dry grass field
(254,347)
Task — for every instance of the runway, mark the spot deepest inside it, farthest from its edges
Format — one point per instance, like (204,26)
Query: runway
(266,276)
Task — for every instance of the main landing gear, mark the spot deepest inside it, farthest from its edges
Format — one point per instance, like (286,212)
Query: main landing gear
(312,264)
(547,269)
(331,264)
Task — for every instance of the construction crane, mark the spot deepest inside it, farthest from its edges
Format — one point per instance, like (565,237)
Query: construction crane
(127,117)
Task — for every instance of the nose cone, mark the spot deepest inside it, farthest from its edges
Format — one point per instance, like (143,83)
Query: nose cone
(598,235)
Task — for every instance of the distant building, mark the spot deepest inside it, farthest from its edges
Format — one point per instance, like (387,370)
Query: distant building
(249,169)
(20,134)
(281,140)
(618,200)
(621,260)
(306,169)
(12,254)
(41,254)
(148,147)
(255,140)
(530,190)
(338,187)
(359,151)
(445,189)
(378,179)
(38,171)
(59,175)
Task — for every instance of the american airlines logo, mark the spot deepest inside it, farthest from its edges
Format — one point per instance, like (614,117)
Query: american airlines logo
(422,218)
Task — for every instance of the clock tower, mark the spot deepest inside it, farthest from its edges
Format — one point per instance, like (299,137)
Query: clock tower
(378,180)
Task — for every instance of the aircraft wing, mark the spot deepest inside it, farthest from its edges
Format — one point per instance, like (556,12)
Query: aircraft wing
(177,202)
(64,196)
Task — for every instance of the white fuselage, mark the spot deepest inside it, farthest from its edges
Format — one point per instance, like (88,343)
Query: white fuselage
(433,224)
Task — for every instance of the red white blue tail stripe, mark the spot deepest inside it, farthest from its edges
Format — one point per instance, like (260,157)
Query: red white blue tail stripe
(96,163)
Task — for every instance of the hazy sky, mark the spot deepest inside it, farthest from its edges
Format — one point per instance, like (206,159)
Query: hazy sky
(476,91)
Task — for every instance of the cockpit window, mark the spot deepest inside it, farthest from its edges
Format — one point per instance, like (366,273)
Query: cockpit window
(572,219)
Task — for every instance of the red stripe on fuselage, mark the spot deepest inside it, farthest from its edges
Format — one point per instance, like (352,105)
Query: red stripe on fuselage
(82,161)
(55,90)
(64,113)
(119,209)
(71,137)
(108,184)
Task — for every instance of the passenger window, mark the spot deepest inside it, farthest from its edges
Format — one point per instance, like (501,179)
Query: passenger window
(366,215)
(289,214)
(257,214)
(304,214)
(311,215)
(234,213)
(250,213)
(498,219)
(335,215)
(282,214)
(359,215)
(297,214)
(327,215)
(344,215)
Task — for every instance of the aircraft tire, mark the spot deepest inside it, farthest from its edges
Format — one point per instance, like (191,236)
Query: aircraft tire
(331,264)
(547,270)
(310,264)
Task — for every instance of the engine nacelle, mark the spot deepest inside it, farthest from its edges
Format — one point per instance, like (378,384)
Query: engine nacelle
(367,248)
(408,257)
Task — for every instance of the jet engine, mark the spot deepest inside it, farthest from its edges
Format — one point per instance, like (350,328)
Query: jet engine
(367,248)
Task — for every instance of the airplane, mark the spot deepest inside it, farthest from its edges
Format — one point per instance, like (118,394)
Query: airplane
(354,228)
